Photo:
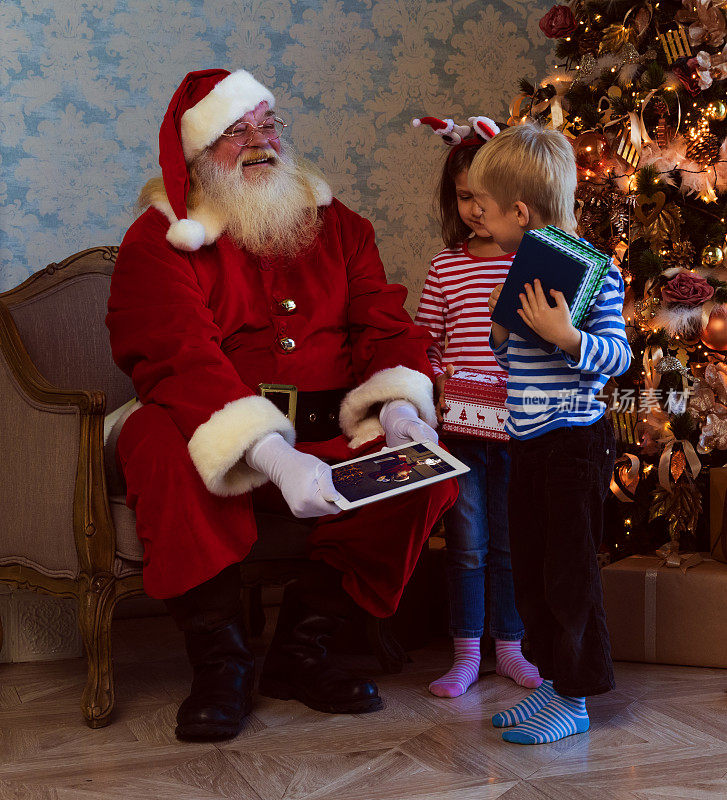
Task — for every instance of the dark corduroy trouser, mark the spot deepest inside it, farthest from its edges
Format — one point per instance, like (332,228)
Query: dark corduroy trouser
(558,484)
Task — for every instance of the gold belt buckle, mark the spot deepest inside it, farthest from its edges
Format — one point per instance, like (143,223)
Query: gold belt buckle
(283,396)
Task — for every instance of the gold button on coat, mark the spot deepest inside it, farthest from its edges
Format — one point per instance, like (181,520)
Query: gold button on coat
(288,306)
(287,344)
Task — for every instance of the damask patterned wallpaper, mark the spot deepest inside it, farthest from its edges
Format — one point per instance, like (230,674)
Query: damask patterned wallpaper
(86,83)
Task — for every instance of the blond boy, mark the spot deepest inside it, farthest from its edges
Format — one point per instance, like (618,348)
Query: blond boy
(562,446)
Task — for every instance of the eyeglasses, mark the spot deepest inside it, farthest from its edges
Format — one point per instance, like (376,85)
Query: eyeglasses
(242,133)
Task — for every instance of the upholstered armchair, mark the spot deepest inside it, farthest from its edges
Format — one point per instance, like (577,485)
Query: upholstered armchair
(66,530)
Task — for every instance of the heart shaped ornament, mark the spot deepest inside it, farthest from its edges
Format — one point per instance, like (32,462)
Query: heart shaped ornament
(648,208)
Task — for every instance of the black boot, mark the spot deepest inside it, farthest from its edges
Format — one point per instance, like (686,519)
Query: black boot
(223,666)
(298,664)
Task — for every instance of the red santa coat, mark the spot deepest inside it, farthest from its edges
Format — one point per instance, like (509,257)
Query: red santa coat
(198,331)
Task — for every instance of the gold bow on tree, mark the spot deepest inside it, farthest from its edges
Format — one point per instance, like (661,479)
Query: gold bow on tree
(706,22)
(615,37)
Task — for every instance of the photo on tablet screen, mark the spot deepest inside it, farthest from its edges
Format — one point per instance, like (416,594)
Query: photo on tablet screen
(393,471)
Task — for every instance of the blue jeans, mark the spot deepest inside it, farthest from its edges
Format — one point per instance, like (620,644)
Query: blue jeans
(477,536)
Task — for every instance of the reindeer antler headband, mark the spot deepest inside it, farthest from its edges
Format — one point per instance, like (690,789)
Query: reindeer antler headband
(453,135)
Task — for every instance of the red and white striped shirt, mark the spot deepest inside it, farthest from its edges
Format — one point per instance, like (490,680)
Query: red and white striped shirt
(453,307)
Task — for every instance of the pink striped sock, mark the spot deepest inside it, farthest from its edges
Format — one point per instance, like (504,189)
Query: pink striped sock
(511,663)
(464,672)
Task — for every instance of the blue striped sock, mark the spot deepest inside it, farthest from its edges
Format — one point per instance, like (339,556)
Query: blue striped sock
(526,708)
(561,717)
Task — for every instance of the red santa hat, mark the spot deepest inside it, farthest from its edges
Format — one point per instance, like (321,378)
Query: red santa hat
(206,103)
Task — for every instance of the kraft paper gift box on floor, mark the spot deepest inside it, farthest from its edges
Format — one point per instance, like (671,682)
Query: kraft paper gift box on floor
(718,513)
(665,615)
(476,400)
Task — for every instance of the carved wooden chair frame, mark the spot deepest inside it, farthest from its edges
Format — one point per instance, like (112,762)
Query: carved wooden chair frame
(96,588)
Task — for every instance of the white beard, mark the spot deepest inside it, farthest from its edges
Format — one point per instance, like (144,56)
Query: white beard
(273,213)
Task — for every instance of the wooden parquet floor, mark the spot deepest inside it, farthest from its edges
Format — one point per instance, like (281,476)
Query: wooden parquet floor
(661,736)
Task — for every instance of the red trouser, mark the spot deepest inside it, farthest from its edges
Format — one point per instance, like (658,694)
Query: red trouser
(190,535)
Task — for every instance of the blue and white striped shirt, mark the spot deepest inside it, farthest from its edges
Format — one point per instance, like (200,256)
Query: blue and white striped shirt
(548,391)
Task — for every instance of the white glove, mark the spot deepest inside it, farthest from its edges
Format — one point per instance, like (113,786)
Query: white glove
(402,425)
(304,480)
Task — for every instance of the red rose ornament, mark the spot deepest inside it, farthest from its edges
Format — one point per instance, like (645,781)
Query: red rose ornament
(558,22)
(687,289)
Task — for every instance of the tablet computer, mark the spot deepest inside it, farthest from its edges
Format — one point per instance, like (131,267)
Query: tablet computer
(392,471)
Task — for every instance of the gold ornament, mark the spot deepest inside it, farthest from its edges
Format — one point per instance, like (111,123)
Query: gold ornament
(626,151)
(675,44)
(678,462)
(714,334)
(586,69)
(680,505)
(639,16)
(648,207)
(645,310)
(681,254)
(661,136)
(665,227)
(591,148)
(704,149)
(712,256)
(717,109)
(671,364)
(614,38)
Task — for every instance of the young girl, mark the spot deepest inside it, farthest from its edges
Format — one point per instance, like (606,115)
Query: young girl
(454,308)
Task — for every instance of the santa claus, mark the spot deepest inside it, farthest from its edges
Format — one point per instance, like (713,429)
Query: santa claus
(243,292)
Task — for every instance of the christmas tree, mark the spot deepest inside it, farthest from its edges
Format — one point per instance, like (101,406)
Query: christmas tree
(640,91)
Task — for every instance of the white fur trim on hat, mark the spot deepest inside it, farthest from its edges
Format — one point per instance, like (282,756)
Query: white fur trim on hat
(396,383)
(232,97)
(484,127)
(219,445)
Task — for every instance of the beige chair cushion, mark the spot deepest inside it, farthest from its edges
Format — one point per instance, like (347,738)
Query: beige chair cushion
(64,332)
(128,545)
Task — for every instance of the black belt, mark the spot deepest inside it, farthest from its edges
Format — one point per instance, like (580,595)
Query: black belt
(313,414)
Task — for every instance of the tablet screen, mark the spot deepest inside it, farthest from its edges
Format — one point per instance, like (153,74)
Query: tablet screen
(388,472)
